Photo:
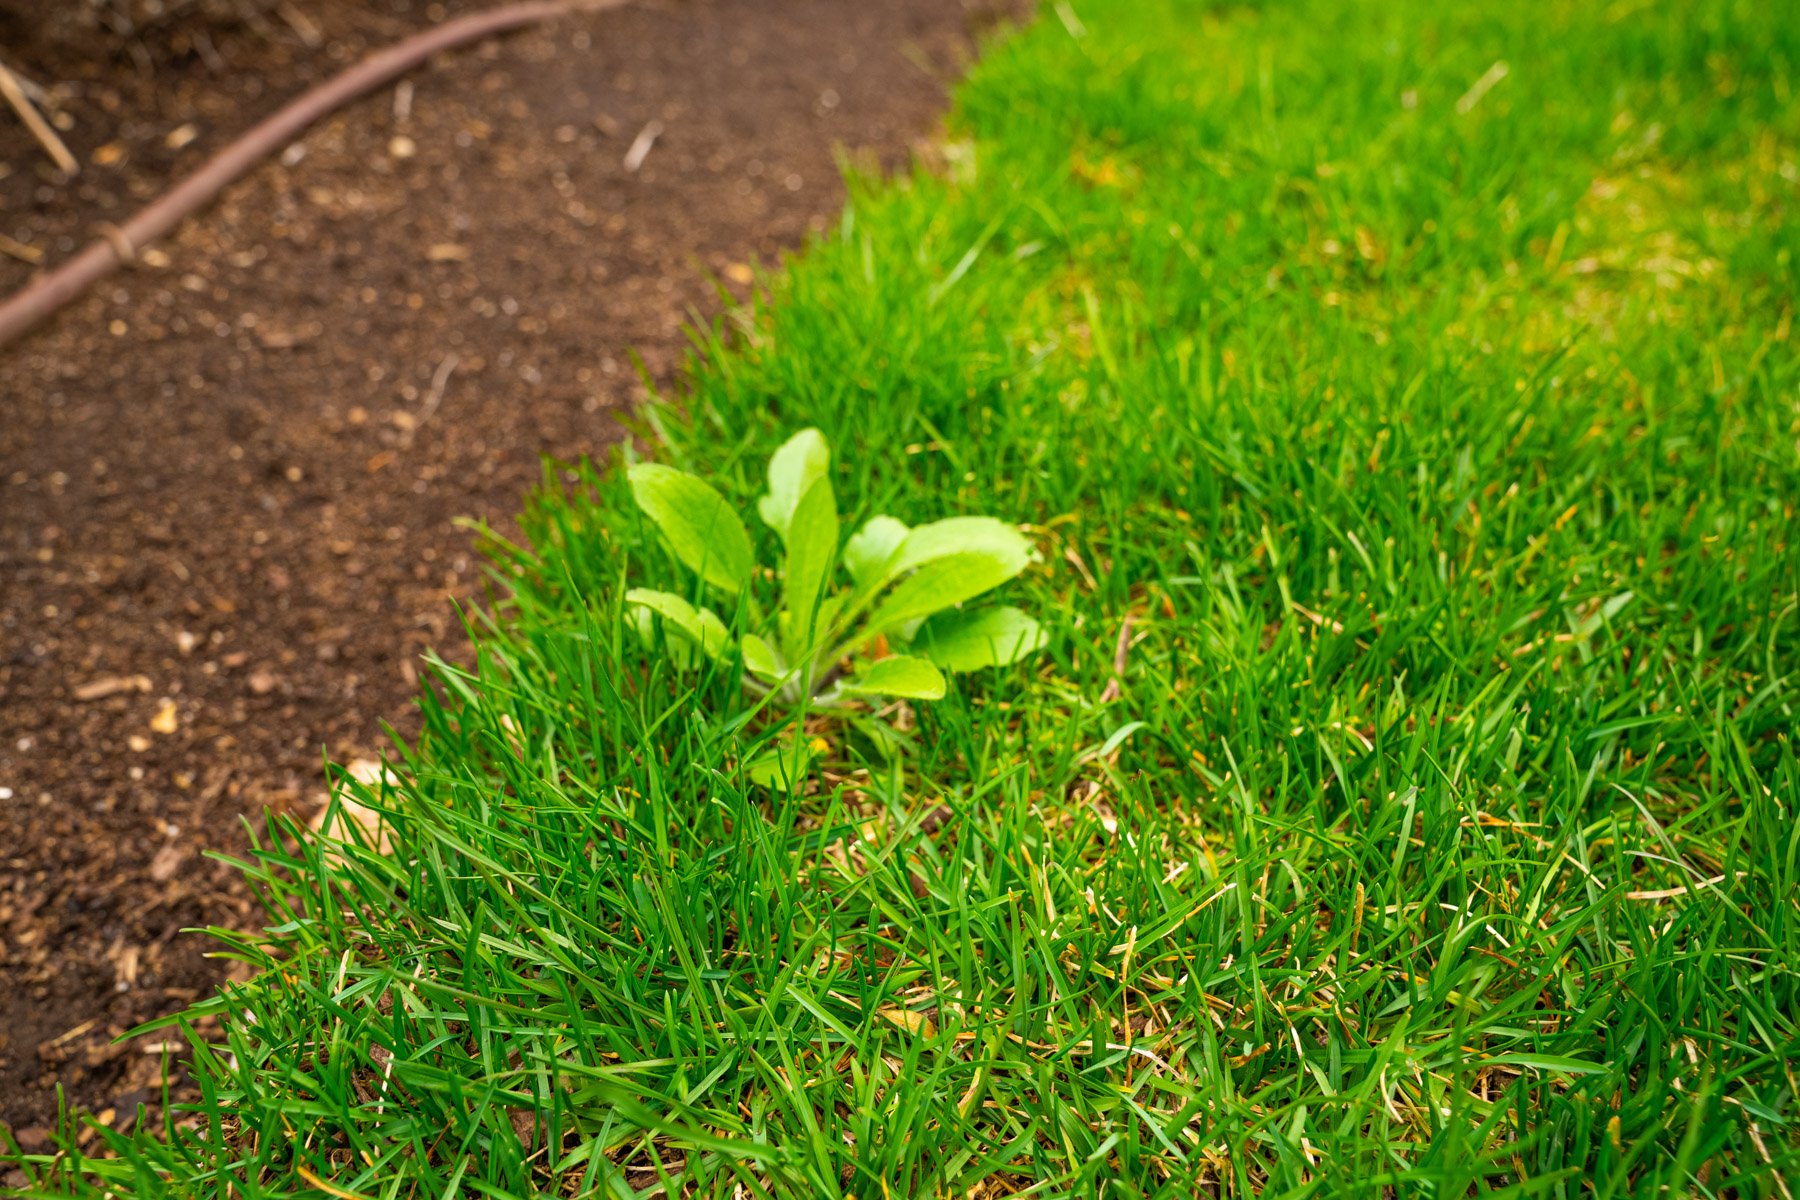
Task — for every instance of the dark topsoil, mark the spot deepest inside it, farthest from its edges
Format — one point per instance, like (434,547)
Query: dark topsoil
(229,476)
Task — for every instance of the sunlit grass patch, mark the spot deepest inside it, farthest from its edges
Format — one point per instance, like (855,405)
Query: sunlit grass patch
(1410,442)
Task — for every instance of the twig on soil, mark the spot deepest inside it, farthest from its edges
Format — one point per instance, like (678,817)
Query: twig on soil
(209,53)
(20,251)
(640,148)
(301,24)
(50,292)
(435,396)
(111,685)
(34,121)
(36,92)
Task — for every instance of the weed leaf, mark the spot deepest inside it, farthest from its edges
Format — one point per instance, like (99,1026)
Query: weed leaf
(963,535)
(700,527)
(801,461)
(762,660)
(943,583)
(812,540)
(699,625)
(902,676)
(870,550)
(968,640)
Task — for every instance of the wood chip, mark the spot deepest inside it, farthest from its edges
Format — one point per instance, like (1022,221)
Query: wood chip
(165,719)
(640,147)
(71,1034)
(20,251)
(111,685)
(125,959)
(279,335)
(168,860)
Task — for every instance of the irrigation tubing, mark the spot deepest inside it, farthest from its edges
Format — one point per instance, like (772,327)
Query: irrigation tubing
(49,292)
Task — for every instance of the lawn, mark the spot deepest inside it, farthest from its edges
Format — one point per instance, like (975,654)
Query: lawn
(1402,404)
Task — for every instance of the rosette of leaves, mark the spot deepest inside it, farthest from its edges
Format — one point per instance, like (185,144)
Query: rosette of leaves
(881,614)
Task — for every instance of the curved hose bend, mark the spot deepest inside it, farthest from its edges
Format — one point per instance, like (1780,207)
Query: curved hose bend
(49,292)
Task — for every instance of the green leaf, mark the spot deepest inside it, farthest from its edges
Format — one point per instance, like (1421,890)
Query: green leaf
(783,767)
(812,542)
(700,527)
(829,607)
(868,553)
(963,535)
(700,625)
(968,640)
(762,660)
(939,584)
(801,461)
(1546,1062)
(903,676)
(1118,737)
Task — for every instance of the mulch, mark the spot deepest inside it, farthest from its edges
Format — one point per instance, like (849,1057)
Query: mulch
(230,477)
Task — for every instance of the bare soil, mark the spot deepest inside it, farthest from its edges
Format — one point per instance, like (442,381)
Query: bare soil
(229,477)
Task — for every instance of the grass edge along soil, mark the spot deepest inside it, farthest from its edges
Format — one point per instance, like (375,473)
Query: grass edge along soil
(1402,406)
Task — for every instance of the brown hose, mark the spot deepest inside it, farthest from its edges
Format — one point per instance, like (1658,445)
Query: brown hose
(51,291)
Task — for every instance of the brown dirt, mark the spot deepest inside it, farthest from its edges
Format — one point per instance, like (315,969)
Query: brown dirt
(228,477)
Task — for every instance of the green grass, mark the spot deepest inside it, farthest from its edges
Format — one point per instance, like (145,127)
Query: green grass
(1406,396)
